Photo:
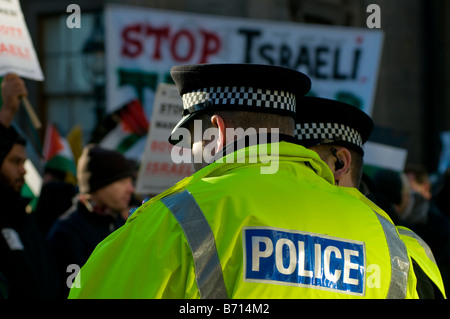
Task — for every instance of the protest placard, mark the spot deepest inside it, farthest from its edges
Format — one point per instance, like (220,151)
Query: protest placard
(142,44)
(378,156)
(158,171)
(17,54)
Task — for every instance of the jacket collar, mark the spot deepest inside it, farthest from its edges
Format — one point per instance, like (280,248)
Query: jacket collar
(263,149)
(253,140)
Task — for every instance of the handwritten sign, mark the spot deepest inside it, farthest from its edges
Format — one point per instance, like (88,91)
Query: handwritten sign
(157,170)
(17,54)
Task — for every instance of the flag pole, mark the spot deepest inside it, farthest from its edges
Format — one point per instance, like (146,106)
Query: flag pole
(31,113)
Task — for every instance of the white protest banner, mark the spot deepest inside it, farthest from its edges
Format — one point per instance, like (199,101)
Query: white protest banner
(17,54)
(142,44)
(382,156)
(157,171)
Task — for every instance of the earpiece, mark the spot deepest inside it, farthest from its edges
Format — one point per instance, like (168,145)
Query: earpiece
(339,164)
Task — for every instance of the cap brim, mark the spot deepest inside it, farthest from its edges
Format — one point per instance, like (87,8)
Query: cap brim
(179,137)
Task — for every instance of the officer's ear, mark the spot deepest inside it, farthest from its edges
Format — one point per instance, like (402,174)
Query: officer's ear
(343,159)
(218,122)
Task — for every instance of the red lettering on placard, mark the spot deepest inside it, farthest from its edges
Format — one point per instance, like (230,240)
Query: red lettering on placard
(159,34)
(14,50)
(183,45)
(211,45)
(132,46)
(161,147)
(11,31)
(174,45)
(168,169)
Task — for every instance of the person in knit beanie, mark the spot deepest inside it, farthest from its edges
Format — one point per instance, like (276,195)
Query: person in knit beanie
(98,167)
(105,181)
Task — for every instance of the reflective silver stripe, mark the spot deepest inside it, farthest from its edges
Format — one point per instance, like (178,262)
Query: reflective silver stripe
(410,233)
(198,233)
(399,261)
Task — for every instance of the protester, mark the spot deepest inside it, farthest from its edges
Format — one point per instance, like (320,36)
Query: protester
(55,198)
(247,224)
(391,190)
(442,201)
(24,259)
(4,292)
(442,197)
(426,219)
(337,131)
(106,187)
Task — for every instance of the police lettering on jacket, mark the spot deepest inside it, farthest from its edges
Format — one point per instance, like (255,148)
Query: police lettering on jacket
(280,256)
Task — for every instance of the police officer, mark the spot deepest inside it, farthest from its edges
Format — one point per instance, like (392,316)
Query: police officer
(261,217)
(337,131)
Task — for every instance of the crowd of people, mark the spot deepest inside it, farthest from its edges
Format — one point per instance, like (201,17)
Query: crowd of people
(412,200)
(69,221)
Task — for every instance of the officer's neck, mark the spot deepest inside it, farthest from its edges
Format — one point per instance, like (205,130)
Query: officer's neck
(251,140)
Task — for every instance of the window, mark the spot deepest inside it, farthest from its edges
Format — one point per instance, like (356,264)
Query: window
(332,12)
(68,94)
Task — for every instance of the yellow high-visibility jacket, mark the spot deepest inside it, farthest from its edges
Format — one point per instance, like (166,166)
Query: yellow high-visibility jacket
(417,248)
(422,254)
(272,227)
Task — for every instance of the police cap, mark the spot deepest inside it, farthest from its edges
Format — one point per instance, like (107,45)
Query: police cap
(324,121)
(237,87)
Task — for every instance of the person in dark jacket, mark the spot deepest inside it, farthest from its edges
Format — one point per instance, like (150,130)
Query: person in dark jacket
(426,218)
(55,198)
(442,194)
(105,181)
(24,260)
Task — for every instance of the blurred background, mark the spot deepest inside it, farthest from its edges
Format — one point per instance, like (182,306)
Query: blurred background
(411,99)
(105,64)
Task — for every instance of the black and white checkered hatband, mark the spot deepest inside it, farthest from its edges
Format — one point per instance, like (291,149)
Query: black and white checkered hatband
(241,96)
(328,132)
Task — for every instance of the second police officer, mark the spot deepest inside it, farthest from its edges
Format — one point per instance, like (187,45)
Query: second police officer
(337,132)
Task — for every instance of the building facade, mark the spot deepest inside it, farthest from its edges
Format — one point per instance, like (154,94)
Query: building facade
(412,99)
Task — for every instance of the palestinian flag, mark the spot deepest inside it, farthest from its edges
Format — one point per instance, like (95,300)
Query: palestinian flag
(131,126)
(32,187)
(57,152)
